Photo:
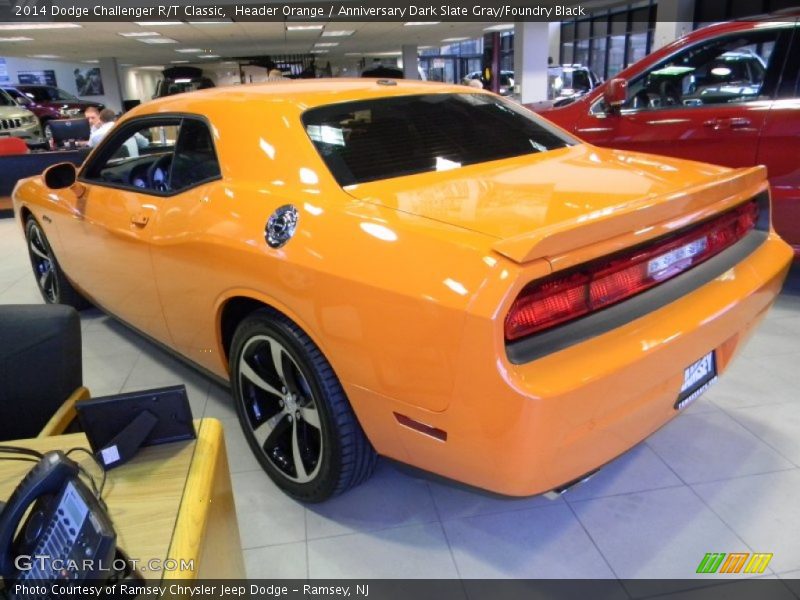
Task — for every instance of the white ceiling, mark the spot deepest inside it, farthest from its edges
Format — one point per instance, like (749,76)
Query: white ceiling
(99,40)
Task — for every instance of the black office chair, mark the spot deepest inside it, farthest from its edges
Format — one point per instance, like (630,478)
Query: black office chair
(41,374)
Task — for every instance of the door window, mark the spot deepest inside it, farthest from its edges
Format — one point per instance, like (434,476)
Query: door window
(159,156)
(195,159)
(725,70)
(790,80)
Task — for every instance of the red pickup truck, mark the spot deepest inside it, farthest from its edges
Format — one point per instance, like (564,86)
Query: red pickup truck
(726,94)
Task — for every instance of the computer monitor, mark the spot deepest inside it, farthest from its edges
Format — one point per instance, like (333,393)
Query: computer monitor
(129,104)
(64,130)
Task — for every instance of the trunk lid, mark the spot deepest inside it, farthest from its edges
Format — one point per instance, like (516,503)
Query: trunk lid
(537,206)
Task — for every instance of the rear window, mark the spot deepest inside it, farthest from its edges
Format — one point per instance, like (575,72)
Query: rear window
(391,137)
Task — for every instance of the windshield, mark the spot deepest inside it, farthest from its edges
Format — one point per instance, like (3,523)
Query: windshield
(6,100)
(48,94)
(391,137)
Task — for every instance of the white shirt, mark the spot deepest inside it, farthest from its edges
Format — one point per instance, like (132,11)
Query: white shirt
(99,133)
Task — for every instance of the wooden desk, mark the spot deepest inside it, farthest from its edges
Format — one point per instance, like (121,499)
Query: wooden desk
(172,502)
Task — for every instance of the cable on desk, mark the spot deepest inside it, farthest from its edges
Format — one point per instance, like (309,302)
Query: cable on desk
(20,450)
(98,492)
(22,458)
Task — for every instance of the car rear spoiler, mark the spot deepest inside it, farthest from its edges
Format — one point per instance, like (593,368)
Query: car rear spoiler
(659,214)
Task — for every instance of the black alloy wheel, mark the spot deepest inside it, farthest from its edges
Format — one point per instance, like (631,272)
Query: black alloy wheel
(53,285)
(293,410)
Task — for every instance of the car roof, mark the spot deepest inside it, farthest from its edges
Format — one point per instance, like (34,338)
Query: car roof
(303,93)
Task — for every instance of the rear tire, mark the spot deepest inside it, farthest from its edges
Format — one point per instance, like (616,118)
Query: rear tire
(53,285)
(294,412)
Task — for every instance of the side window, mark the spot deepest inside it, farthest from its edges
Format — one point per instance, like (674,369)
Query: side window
(137,157)
(724,70)
(195,159)
(790,79)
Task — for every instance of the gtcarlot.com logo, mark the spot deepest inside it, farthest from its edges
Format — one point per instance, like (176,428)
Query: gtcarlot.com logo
(40,564)
(735,562)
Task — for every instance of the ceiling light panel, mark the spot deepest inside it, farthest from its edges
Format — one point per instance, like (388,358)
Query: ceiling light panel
(32,26)
(158,40)
(135,34)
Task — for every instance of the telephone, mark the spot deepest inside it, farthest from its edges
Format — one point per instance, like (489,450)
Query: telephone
(67,535)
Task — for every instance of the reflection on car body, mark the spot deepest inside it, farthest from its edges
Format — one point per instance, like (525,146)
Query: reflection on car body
(725,94)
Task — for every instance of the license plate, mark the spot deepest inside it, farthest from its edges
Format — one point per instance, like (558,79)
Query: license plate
(697,378)
(675,260)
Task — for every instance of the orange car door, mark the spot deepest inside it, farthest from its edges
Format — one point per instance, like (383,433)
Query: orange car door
(187,277)
(109,242)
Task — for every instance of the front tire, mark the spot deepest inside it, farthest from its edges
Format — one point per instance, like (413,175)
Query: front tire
(53,285)
(47,131)
(294,412)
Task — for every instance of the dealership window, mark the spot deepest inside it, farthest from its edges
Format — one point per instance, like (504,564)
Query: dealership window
(452,62)
(717,11)
(609,40)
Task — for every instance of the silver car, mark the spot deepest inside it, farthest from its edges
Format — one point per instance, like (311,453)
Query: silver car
(16,121)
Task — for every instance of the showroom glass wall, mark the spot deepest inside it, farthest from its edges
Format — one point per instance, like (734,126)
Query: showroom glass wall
(715,11)
(606,42)
(609,40)
(452,62)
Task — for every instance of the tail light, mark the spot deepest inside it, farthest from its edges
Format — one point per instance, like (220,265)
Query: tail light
(542,305)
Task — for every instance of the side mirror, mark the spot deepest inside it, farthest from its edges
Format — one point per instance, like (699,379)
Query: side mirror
(616,94)
(60,176)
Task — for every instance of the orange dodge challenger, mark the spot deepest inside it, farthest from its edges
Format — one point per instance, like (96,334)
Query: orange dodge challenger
(421,271)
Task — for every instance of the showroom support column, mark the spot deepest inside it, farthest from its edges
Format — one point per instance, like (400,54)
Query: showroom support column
(531,49)
(554,42)
(112,84)
(674,20)
(410,61)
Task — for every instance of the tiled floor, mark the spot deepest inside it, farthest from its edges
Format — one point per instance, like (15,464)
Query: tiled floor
(722,477)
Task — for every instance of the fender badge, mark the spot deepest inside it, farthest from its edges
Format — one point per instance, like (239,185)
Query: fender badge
(281,226)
